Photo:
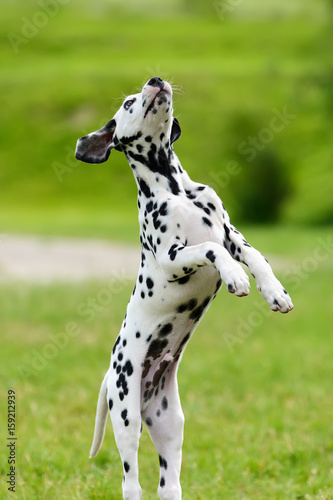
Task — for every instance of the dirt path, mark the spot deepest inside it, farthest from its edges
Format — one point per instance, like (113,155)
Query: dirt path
(45,260)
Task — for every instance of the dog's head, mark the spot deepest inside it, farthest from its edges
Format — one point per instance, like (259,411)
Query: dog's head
(147,115)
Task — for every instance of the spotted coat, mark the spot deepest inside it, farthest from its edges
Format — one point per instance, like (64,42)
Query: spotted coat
(189,248)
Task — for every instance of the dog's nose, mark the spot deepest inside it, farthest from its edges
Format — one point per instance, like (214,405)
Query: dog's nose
(156,81)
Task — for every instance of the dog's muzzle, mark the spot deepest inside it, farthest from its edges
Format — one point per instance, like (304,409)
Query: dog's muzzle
(161,95)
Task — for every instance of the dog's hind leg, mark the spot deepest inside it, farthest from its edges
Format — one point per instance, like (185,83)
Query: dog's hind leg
(124,405)
(165,422)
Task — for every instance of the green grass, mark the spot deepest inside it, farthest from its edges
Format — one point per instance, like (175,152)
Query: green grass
(259,411)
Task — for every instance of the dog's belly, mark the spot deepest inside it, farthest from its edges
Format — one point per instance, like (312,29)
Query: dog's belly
(149,307)
(164,322)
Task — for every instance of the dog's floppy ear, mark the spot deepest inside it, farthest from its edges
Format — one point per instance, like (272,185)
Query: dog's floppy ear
(175,131)
(96,147)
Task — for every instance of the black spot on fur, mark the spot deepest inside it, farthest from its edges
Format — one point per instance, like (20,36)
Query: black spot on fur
(211,256)
(166,329)
(128,368)
(146,367)
(149,282)
(156,348)
(183,280)
(218,285)
(127,140)
(144,188)
(159,373)
(164,403)
(182,308)
(227,231)
(188,306)
(163,210)
(126,467)
(116,344)
(200,205)
(110,404)
(197,312)
(207,222)
(149,207)
(173,251)
(190,195)
(192,303)
(185,340)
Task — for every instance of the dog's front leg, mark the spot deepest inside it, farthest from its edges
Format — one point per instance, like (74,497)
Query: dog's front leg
(178,261)
(270,287)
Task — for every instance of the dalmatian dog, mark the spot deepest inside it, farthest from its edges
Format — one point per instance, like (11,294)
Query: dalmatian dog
(189,248)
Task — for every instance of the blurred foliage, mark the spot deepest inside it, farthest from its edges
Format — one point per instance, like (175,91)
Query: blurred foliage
(64,72)
(261,181)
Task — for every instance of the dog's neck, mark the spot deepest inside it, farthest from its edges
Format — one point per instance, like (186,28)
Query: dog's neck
(156,169)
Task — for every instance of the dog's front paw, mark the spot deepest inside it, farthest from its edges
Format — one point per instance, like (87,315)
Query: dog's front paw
(237,281)
(276,296)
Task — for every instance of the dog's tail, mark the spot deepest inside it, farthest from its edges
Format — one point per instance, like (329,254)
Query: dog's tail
(101,417)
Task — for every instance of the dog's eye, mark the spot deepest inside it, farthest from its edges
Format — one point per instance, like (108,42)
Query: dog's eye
(129,103)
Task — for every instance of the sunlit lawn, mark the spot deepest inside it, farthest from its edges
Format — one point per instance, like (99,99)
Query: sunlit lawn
(259,408)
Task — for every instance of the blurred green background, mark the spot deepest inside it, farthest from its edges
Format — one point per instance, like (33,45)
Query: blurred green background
(65,70)
(254,96)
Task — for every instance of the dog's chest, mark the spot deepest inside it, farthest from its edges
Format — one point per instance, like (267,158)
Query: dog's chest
(165,222)
(183,219)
